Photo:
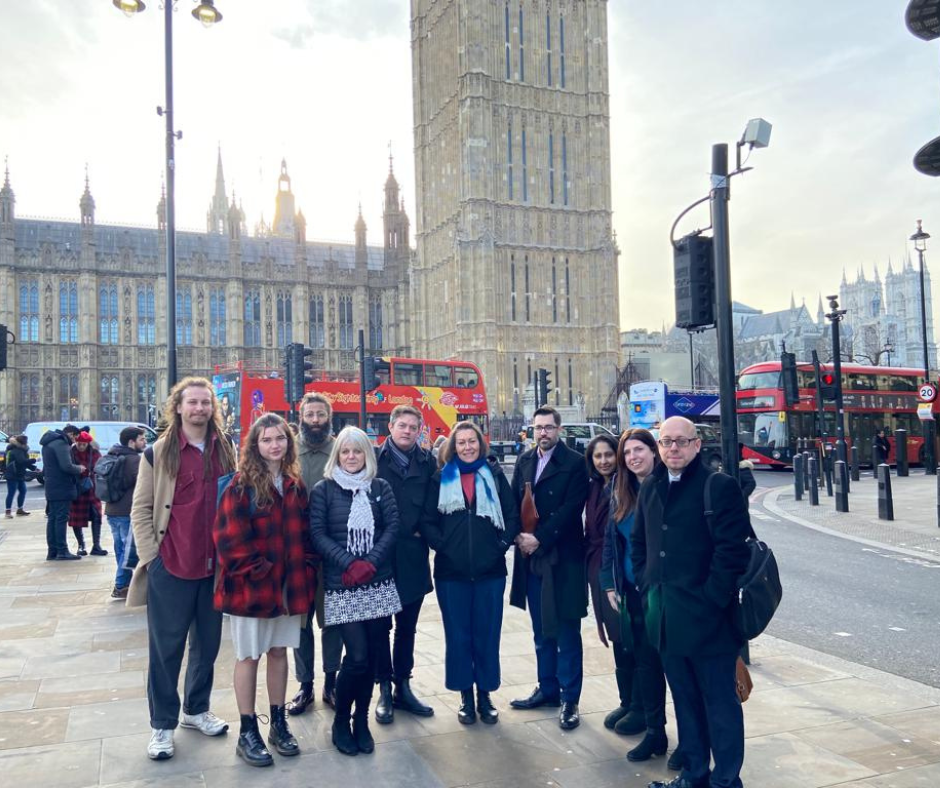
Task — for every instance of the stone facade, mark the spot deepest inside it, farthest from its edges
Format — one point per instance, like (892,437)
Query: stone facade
(85,303)
(516,264)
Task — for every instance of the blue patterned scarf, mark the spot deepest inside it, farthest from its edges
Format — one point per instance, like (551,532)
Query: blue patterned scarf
(485,493)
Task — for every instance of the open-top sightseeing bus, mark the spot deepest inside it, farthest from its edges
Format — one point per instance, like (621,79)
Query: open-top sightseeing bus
(444,391)
(873,398)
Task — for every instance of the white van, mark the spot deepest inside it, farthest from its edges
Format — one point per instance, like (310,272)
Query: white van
(105,433)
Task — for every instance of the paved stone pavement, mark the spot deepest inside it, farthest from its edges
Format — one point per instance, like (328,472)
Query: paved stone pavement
(73,709)
(914,529)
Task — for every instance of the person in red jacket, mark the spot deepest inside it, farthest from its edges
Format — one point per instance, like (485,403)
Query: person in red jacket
(266,576)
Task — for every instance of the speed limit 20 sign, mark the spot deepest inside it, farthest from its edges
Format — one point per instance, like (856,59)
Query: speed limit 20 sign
(927,392)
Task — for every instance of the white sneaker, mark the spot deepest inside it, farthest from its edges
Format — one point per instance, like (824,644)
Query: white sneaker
(161,744)
(206,723)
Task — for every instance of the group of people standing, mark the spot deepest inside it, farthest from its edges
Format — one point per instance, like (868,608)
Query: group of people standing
(312,526)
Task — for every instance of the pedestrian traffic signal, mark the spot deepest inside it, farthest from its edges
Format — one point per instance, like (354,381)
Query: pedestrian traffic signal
(791,389)
(694,268)
(370,377)
(300,371)
(828,387)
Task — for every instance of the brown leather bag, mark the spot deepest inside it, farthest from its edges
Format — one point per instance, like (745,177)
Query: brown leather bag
(743,680)
(529,514)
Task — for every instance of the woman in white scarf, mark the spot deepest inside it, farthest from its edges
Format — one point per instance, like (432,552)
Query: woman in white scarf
(354,523)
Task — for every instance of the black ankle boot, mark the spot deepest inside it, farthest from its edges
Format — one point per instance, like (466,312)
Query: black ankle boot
(624,691)
(329,690)
(343,738)
(384,710)
(405,699)
(467,713)
(345,696)
(654,743)
(485,707)
(361,733)
(279,733)
(250,747)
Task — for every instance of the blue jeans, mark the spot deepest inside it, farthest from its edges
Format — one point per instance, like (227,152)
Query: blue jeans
(560,660)
(15,487)
(472,614)
(120,527)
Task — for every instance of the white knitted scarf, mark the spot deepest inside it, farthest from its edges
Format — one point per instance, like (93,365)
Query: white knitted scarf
(360,527)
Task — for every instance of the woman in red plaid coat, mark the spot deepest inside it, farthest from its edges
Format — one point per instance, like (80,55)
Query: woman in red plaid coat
(266,579)
(86,507)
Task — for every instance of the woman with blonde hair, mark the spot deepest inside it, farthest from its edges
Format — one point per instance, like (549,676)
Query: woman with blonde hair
(266,577)
(354,522)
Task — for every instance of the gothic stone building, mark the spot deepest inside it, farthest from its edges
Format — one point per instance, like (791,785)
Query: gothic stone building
(516,264)
(84,301)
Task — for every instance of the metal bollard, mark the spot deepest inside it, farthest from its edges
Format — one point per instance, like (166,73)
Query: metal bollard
(900,449)
(842,483)
(798,477)
(855,470)
(827,470)
(885,499)
(813,488)
(806,475)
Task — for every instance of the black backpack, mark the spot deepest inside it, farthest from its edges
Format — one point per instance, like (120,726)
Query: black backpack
(109,478)
(759,588)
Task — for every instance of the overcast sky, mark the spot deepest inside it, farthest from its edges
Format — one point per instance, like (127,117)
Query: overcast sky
(326,84)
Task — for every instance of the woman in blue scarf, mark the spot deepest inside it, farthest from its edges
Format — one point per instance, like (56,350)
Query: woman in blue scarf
(471,520)
(637,456)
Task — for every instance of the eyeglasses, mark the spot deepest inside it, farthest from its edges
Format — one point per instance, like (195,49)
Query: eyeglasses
(682,443)
(545,428)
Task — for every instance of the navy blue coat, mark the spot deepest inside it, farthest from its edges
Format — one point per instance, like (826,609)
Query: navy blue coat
(61,474)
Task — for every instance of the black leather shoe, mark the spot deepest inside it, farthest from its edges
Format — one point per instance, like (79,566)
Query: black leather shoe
(536,700)
(676,762)
(631,724)
(654,743)
(568,717)
(303,700)
(280,735)
(343,738)
(81,550)
(405,700)
(329,690)
(678,782)
(486,709)
(384,710)
(467,713)
(98,550)
(362,734)
(251,749)
(67,556)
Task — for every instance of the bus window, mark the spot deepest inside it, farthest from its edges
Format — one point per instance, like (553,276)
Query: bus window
(904,383)
(861,382)
(438,375)
(806,378)
(759,380)
(466,377)
(480,419)
(762,429)
(407,374)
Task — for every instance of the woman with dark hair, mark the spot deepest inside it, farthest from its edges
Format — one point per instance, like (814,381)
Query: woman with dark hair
(637,455)
(266,576)
(471,520)
(18,465)
(601,459)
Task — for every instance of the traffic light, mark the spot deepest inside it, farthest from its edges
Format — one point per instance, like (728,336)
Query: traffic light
(828,387)
(370,369)
(3,347)
(301,370)
(544,386)
(288,372)
(694,282)
(791,388)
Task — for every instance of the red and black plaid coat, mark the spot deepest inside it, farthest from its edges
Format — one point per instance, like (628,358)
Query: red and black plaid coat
(266,559)
(87,506)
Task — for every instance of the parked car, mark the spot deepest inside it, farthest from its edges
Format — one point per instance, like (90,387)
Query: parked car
(105,433)
(711,445)
(582,432)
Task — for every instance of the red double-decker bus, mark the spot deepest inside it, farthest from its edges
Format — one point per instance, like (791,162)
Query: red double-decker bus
(444,391)
(874,398)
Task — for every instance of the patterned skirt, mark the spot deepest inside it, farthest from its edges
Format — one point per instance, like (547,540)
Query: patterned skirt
(361,603)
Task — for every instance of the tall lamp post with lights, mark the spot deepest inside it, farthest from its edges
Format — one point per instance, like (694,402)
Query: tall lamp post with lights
(206,13)
(920,245)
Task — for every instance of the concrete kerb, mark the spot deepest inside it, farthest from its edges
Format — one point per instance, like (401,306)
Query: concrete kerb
(770,503)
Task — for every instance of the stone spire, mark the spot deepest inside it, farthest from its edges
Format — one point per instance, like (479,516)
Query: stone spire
(7,198)
(284,212)
(161,207)
(217,215)
(87,204)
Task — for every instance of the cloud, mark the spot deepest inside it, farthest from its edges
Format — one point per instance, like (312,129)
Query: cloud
(370,19)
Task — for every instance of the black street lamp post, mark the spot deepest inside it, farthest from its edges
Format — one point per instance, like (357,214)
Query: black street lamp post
(888,349)
(206,13)
(920,244)
(836,316)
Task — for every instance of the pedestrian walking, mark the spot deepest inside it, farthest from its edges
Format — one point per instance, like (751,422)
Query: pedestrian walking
(86,508)
(354,521)
(61,477)
(408,468)
(550,484)
(881,446)
(172,514)
(18,466)
(639,669)
(315,443)
(125,454)
(267,576)
(687,568)
(472,521)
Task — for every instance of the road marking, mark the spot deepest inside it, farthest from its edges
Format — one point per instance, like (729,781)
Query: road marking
(842,634)
(760,516)
(897,629)
(904,559)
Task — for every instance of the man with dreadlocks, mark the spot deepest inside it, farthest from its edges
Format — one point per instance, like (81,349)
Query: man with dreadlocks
(172,515)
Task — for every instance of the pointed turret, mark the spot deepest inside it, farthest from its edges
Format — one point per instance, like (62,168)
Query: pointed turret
(360,229)
(7,202)
(396,222)
(235,218)
(217,215)
(844,280)
(391,187)
(890,271)
(300,228)
(161,208)
(284,210)
(87,204)
(820,312)
(792,301)
(877,275)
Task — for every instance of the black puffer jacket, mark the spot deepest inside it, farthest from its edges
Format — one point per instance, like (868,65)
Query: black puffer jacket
(329,513)
(469,547)
(18,461)
(61,474)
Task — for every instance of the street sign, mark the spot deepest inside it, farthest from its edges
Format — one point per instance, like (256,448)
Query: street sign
(927,392)
(925,411)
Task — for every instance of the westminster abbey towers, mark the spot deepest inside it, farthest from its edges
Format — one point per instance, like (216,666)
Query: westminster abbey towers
(516,265)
